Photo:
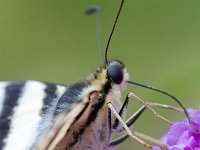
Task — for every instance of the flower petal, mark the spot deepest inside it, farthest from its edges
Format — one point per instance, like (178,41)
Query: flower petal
(182,135)
(175,132)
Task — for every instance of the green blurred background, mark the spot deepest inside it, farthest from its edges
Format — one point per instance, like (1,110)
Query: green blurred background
(158,41)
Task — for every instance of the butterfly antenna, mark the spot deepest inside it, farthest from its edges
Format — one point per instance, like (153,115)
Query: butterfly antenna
(113,28)
(165,93)
(96,9)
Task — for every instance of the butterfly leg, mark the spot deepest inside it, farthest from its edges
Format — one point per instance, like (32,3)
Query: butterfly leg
(169,107)
(116,142)
(132,133)
(131,120)
(121,139)
(122,111)
(149,107)
(135,116)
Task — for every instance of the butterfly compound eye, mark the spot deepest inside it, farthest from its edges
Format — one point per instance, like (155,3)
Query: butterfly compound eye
(115,74)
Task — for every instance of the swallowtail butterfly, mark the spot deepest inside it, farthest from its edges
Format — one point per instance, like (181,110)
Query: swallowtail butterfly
(84,115)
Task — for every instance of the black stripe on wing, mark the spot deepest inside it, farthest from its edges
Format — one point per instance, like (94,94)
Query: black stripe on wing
(51,95)
(12,95)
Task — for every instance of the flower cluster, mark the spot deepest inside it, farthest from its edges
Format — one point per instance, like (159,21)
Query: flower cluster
(182,135)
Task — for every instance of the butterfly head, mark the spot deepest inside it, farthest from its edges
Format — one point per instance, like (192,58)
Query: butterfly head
(117,74)
(114,72)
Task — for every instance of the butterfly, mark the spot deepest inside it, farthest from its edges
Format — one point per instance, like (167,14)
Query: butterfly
(84,115)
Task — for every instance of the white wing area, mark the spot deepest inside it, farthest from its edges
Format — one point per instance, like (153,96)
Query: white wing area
(2,94)
(26,117)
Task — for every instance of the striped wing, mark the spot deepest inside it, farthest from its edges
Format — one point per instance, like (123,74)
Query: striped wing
(54,138)
(23,106)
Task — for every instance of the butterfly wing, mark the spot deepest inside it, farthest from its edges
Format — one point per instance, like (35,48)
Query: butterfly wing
(24,107)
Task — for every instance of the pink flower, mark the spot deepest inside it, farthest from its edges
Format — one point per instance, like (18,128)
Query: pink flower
(182,135)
